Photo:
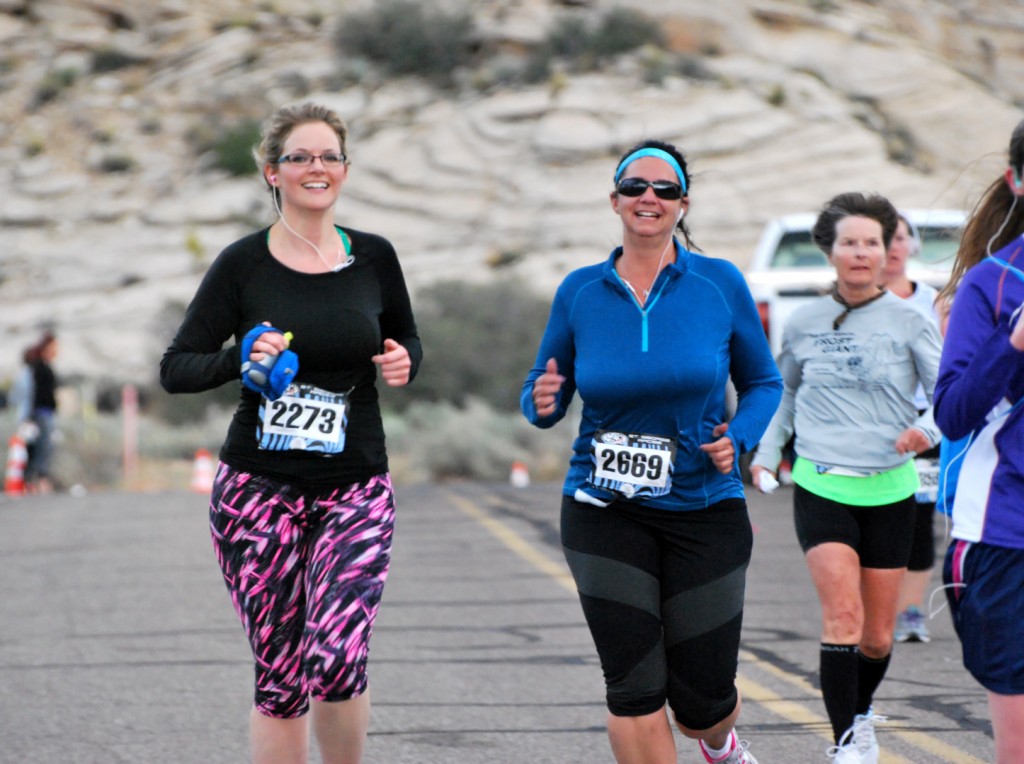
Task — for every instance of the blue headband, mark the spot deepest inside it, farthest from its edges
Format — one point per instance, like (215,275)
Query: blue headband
(663,155)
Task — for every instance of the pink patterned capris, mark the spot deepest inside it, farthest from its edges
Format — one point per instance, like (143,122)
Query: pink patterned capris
(305,572)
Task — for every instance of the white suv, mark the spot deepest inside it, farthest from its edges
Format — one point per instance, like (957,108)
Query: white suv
(788,269)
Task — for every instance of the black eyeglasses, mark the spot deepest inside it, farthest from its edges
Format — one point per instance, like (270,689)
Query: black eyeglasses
(663,189)
(329,159)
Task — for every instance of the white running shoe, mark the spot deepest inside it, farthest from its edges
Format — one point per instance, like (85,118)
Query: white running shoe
(844,754)
(858,745)
(864,736)
(738,755)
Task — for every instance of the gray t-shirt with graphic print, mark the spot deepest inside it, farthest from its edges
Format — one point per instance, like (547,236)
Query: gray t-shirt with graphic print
(849,392)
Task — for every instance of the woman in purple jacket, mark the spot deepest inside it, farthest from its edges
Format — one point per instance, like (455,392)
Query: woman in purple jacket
(978,395)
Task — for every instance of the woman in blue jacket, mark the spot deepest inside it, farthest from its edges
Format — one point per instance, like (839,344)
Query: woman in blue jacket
(654,522)
(978,396)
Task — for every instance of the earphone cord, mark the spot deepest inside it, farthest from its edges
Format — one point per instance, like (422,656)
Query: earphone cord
(334,268)
(1009,213)
(661,261)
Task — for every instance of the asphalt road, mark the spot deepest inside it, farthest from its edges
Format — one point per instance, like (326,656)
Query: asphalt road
(118,643)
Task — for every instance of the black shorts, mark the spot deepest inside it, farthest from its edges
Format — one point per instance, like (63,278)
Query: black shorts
(881,535)
(662,593)
(922,544)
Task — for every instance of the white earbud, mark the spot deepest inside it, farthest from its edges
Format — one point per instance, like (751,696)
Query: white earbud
(679,216)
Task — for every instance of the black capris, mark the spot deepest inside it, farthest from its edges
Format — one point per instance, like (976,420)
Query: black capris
(662,593)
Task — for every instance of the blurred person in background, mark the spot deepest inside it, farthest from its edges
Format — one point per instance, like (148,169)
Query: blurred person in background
(978,398)
(23,388)
(654,521)
(852,362)
(302,509)
(23,391)
(40,426)
(911,625)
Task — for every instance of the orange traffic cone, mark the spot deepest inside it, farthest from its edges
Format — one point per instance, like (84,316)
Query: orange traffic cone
(520,476)
(202,472)
(14,474)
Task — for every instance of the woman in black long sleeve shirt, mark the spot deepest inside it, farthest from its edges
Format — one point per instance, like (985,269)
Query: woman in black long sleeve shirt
(302,506)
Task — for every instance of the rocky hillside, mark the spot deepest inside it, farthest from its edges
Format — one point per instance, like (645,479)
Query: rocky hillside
(111,213)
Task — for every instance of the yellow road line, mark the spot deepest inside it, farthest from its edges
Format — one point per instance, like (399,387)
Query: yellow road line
(787,709)
(771,668)
(515,542)
(934,746)
(751,690)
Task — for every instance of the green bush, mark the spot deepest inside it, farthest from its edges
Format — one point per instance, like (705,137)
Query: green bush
(35,147)
(441,441)
(233,148)
(657,64)
(110,60)
(584,44)
(193,408)
(693,68)
(55,82)
(116,163)
(621,30)
(403,39)
(478,341)
(569,38)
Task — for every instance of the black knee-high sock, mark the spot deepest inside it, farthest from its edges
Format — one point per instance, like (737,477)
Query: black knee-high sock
(870,673)
(839,676)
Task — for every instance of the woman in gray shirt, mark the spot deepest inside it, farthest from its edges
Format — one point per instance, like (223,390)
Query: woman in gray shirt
(851,362)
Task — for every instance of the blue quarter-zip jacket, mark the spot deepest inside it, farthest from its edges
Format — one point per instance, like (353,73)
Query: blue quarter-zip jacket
(660,369)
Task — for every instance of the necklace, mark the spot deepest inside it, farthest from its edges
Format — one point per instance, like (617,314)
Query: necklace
(849,307)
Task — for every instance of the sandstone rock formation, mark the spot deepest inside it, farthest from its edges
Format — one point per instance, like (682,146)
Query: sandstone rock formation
(109,214)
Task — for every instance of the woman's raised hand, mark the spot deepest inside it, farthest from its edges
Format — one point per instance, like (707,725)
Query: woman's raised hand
(546,388)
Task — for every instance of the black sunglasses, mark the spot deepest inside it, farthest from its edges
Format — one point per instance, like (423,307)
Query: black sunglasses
(663,189)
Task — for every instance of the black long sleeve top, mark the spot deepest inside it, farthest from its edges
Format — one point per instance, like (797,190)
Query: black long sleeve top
(339,321)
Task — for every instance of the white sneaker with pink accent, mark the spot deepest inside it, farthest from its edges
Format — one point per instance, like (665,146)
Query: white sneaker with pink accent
(738,753)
